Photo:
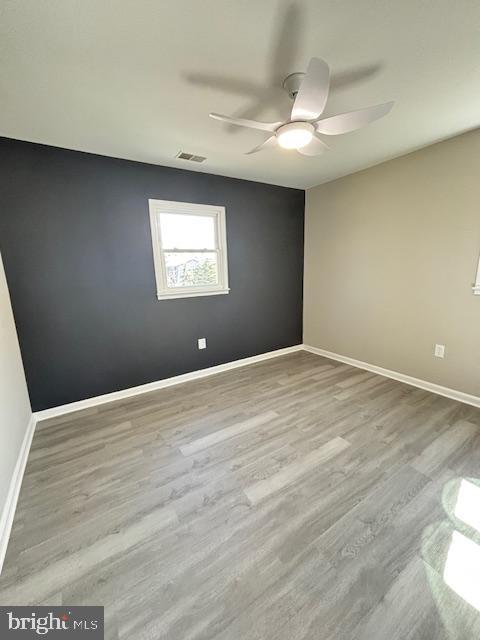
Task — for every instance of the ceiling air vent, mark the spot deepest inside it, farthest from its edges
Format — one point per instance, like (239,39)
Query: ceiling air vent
(189,156)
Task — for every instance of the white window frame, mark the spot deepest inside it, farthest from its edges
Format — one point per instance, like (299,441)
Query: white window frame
(156,207)
(476,286)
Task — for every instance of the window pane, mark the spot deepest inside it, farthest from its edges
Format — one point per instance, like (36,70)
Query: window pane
(181,231)
(191,269)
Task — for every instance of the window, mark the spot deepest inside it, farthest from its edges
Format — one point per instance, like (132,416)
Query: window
(189,249)
(476,286)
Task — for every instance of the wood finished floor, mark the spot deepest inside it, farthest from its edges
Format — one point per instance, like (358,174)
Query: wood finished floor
(295,499)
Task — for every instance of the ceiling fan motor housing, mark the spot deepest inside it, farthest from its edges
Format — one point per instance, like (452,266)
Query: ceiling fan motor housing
(292,83)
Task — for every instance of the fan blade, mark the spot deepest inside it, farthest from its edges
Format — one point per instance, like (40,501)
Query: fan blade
(243,122)
(313,93)
(314,148)
(345,122)
(269,142)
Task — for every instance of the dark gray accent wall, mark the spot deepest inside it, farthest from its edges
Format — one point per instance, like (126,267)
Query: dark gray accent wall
(75,239)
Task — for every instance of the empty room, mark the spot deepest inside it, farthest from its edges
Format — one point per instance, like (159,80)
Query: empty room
(240,319)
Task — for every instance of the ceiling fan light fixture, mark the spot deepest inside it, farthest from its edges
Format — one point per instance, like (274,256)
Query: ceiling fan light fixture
(295,135)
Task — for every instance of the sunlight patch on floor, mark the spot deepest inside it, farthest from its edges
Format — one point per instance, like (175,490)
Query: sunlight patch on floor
(462,569)
(451,556)
(467,507)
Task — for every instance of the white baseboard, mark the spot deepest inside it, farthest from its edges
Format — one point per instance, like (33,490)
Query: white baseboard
(202,373)
(453,394)
(160,384)
(6,517)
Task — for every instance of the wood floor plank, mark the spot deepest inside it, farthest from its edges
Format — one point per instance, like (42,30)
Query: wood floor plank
(442,450)
(227,432)
(262,489)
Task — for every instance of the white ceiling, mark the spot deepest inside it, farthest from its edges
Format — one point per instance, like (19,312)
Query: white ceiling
(137,78)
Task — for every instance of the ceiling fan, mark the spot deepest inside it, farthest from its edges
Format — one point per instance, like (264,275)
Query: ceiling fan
(309,92)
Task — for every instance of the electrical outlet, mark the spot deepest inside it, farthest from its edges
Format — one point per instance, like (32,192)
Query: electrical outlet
(202,343)
(439,351)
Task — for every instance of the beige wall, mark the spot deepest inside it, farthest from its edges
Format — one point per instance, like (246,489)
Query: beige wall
(15,410)
(390,258)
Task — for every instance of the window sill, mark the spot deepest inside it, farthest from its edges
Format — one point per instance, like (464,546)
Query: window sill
(191,294)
